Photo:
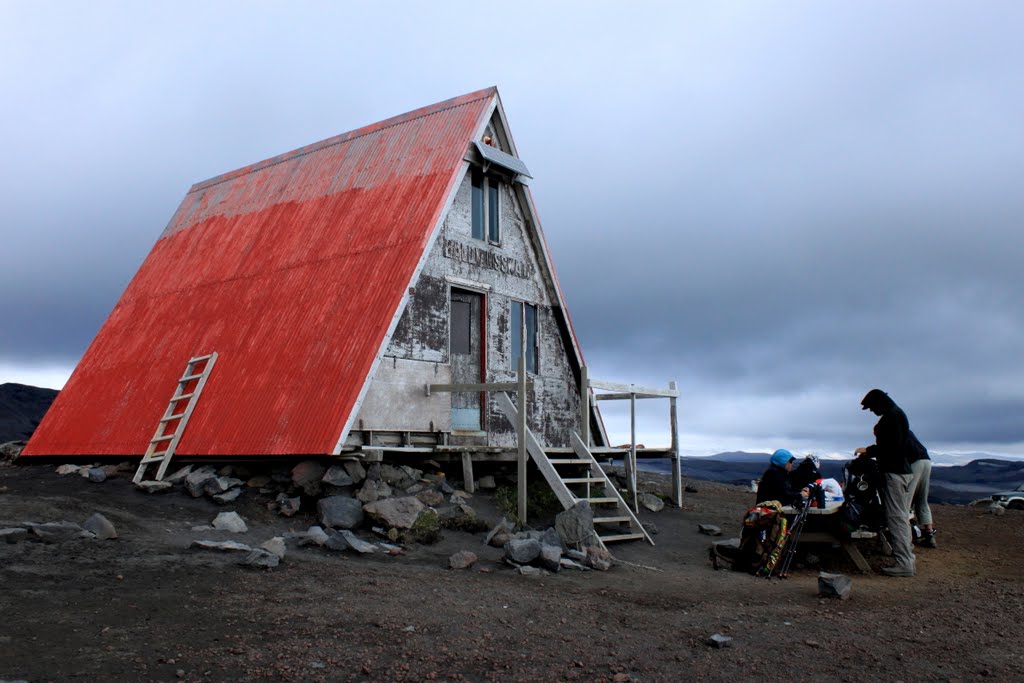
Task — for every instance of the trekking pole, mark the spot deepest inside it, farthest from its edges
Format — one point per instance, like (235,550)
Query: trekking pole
(798,528)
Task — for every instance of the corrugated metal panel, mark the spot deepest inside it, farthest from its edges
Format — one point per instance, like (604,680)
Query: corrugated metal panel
(291,269)
(502,159)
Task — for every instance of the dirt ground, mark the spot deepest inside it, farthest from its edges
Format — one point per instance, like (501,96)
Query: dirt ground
(144,607)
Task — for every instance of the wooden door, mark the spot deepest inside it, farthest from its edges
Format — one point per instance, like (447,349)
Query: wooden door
(467,354)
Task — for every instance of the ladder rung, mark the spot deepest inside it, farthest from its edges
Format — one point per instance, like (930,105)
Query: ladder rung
(568,461)
(156,457)
(199,359)
(172,418)
(601,500)
(584,480)
(189,378)
(182,397)
(610,520)
(162,438)
(620,537)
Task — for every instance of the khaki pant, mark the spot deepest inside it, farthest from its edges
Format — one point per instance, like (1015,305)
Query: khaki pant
(922,470)
(897,495)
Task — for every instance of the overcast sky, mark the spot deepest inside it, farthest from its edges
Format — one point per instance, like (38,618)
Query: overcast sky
(777,205)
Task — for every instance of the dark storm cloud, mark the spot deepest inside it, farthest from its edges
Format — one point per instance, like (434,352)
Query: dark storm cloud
(777,207)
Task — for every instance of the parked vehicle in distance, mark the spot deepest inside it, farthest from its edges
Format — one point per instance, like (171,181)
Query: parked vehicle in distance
(1013,500)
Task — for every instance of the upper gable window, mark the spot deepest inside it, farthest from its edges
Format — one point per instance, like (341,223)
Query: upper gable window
(486,211)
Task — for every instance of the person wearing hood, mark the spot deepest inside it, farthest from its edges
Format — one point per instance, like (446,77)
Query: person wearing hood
(892,451)
(776,483)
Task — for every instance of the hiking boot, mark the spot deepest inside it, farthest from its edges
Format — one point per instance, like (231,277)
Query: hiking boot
(897,571)
(928,540)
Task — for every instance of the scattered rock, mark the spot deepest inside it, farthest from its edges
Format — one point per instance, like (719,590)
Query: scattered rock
(217,485)
(499,535)
(487,483)
(224,546)
(997,510)
(571,564)
(575,526)
(426,528)
(550,557)
(598,558)
(337,475)
(336,541)
(527,570)
(13,535)
(356,543)
(258,482)
(307,475)
(430,498)
(719,640)
(314,536)
(11,450)
(111,470)
(812,643)
(150,486)
(650,527)
(68,469)
(179,475)
(101,527)
(55,532)
(691,489)
(551,537)
(709,529)
(260,559)
(651,502)
(230,521)
(97,475)
(275,545)
(462,560)
(373,490)
(834,585)
(341,512)
(355,470)
(522,550)
(195,481)
(398,513)
(288,506)
(227,496)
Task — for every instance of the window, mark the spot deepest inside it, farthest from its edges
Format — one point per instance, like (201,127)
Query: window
(486,210)
(523,324)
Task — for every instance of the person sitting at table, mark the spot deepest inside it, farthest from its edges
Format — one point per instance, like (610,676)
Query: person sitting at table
(776,483)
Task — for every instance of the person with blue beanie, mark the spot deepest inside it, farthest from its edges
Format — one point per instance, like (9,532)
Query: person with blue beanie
(775,482)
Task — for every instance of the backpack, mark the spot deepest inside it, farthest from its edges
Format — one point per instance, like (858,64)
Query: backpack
(764,526)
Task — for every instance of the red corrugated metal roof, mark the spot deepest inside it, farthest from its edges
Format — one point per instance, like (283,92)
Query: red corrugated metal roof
(292,270)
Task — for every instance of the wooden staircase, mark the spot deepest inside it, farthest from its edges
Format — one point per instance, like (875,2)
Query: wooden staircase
(581,478)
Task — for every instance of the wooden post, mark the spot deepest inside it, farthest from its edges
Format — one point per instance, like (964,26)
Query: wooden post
(467,473)
(521,439)
(677,464)
(632,451)
(585,406)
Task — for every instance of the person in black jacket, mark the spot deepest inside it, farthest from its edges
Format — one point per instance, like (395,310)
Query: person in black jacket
(776,483)
(892,452)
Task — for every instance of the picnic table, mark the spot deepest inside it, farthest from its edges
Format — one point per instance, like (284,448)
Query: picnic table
(828,531)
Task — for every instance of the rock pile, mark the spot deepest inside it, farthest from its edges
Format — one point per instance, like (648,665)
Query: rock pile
(97,527)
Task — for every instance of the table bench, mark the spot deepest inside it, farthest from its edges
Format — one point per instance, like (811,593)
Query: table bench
(847,543)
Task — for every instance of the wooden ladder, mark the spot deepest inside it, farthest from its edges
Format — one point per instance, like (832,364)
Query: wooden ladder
(595,475)
(162,445)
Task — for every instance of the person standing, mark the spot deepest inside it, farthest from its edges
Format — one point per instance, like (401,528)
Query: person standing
(891,451)
(921,468)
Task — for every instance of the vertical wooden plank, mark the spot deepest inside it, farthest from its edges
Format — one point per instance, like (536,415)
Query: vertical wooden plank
(632,451)
(467,473)
(677,464)
(521,436)
(585,406)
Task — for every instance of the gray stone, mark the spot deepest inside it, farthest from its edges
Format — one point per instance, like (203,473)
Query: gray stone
(650,527)
(598,558)
(709,529)
(195,481)
(430,498)
(356,543)
(397,513)
(13,535)
(216,485)
(997,510)
(355,470)
(651,502)
(719,640)
(373,490)
(97,475)
(179,475)
(527,570)
(10,450)
(258,482)
(314,536)
(68,469)
(288,506)
(307,475)
(550,557)
(412,472)
(834,585)
(551,537)
(446,488)
(275,545)
(101,527)
(55,532)
(150,486)
(260,559)
(340,511)
(336,475)
(223,546)
(487,483)
(499,535)
(392,474)
(336,541)
(462,560)
(230,521)
(577,555)
(522,550)
(575,526)
(227,496)
(566,563)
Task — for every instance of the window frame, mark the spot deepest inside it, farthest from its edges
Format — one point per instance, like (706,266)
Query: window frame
(518,311)
(485,207)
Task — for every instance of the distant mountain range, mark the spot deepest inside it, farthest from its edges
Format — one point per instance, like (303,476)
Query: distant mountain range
(21,409)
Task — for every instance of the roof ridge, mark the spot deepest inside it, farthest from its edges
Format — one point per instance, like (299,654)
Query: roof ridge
(375,127)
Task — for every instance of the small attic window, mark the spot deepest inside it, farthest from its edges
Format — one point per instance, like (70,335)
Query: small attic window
(486,210)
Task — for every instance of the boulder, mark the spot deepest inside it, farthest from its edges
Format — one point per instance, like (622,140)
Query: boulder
(834,585)
(195,481)
(260,559)
(101,527)
(230,521)
(13,535)
(398,513)
(598,558)
(179,475)
(337,475)
(288,506)
(275,545)
(373,490)
(355,470)
(68,469)
(227,496)
(651,502)
(499,535)
(11,450)
(550,557)
(430,498)
(356,543)
(340,511)
(336,541)
(575,526)
(216,485)
(709,529)
(258,482)
(97,475)
(55,532)
(223,546)
(566,563)
(487,483)
(150,486)
(551,537)
(522,550)
(527,570)
(997,510)
(397,477)
(462,560)
(307,475)
(314,536)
